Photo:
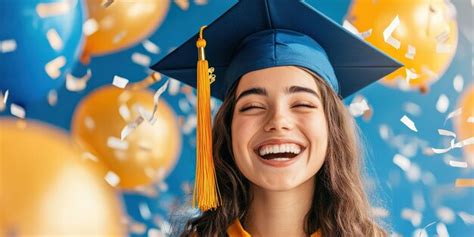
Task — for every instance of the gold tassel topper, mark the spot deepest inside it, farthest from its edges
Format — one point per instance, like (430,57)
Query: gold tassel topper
(206,192)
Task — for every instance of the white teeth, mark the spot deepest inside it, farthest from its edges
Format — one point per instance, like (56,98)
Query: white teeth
(282,159)
(282,148)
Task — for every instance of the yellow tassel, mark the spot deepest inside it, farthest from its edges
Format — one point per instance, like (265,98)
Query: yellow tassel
(206,193)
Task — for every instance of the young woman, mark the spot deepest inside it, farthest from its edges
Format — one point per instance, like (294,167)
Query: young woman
(285,150)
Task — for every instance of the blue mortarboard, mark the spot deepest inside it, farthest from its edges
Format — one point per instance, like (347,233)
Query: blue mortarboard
(257,34)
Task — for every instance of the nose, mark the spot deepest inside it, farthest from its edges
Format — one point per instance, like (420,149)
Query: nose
(278,119)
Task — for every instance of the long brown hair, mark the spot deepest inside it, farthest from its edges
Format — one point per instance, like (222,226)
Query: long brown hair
(340,206)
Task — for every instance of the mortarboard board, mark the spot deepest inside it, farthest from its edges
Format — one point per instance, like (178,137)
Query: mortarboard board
(258,34)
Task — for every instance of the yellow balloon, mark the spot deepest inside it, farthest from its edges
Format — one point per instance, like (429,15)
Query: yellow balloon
(143,157)
(121,24)
(424,40)
(48,189)
(465,128)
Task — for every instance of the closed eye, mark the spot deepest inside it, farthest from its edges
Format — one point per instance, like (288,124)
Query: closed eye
(250,107)
(305,105)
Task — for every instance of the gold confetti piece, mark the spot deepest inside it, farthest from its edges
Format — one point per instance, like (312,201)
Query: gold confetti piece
(17,111)
(76,84)
(466,217)
(445,214)
(119,36)
(442,104)
(106,3)
(52,97)
(117,144)
(53,67)
(411,52)
(402,162)
(442,230)
(151,47)
(130,127)
(462,183)
(120,82)
(460,164)
(145,212)
(458,83)
(90,27)
(141,59)
(156,99)
(7,46)
(387,33)
(54,39)
(183,4)
(112,179)
(89,122)
(409,123)
(53,9)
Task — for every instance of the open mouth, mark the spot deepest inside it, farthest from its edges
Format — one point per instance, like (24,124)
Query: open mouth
(281,152)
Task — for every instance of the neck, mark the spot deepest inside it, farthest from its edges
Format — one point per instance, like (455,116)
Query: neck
(279,213)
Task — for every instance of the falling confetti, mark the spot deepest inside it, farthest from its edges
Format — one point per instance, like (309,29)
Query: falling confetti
(411,52)
(453,114)
(90,27)
(412,215)
(460,164)
(458,83)
(445,214)
(442,104)
(358,106)
(120,82)
(144,211)
(17,111)
(52,97)
(130,127)
(76,84)
(112,178)
(412,108)
(466,217)
(174,86)
(54,39)
(442,230)
(117,144)
(464,183)
(151,47)
(53,67)
(7,46)
(89,123)
(410,75)
(409,123)
(53,9)
(141,59)
(183,4)
(156,99)
(387,33)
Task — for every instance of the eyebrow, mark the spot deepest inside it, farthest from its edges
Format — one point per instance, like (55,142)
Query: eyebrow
(288,90)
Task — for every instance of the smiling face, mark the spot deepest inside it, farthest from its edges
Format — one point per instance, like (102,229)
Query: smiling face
(279,129)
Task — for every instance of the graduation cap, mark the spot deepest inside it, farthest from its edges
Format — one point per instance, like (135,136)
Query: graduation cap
(258,34)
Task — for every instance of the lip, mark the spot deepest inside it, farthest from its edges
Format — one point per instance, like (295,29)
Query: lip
(275,163)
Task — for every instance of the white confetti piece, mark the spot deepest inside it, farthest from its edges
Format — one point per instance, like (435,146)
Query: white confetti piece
(7,46)
(106,3)
(402,162)
(467,218)
(52,97)
(184,105)
(387,33)
(443,48)
(470,119)
(4,97)
(124,112)
(358,106)
(112,178)
(351,28)
(54,39)
(120,82)
(412,108)
(119,36)
(414,173)
(141,59)
(156,99)
(17,110)
(442,104)
(53,67)
(411,52)
(448,133)
(412,215)
(409,123)
(420,233)
(458,83)
(144,211)
(76,84)
(366,33)
(89,122)
(90,27)
(3,101)
(190,124)
(459,164)
(89,156)
(453,114)
(445,214)
(410,75)
(442,230)
(151,47)
(380,212)
(53,9)
(385,132)
(174,86)
(117,144)
(153,232)
(130,127)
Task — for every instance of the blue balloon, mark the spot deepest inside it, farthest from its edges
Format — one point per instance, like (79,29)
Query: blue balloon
(40,41)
